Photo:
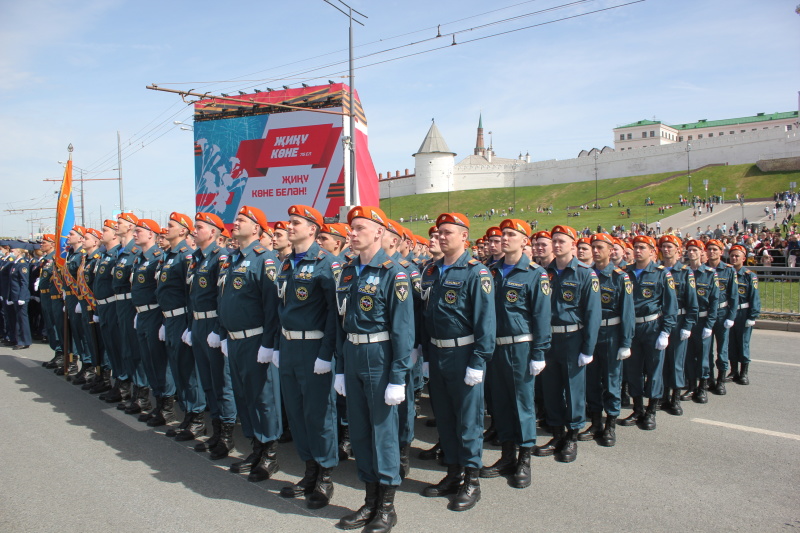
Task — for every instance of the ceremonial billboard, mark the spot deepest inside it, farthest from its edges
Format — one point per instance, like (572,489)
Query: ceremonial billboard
(248,151)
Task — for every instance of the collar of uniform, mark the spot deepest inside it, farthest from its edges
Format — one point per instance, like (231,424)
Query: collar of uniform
(176,249)
(150,253)
(114,250)
(651,266)
(460,262)
(249,248)
(573,264)
(50,255)
(208,250)
(313,252)
(607,270)
(742,270)
(130,246)
(379,258)
(523,263)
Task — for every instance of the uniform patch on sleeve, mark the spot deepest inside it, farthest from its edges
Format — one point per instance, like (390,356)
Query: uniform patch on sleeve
(401,286)
(595,284)
(544,283)
(628,286)
(671,283)
(691,282)
(486,282)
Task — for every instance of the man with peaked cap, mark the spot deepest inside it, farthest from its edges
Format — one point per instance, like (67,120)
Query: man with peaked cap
(604,373)
(696,365)
(85,281)
(459,336)
(675,354)
(19,296)
(406,410)
(122,273)
(522,304)
(576,316)
(728,305)
(148,322)
(248,310)
(172,294)
(47,292)
(373,347)
(307,311)
(105,315)
(749,309)
(208,260)
(6,261)
(656,316)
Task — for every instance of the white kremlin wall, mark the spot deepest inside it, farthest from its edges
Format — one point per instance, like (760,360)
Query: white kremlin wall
(437,172)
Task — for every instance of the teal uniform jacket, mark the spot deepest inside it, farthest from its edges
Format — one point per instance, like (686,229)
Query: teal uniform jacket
(749,295)
(143,282)
(686,291)
(204,270)
(103,280)
(248,298)
(616,300)
(654,293)
(123,268)
(459,303)
(172,291)
(729,296)
(46,275)
(707,288)
(575,300)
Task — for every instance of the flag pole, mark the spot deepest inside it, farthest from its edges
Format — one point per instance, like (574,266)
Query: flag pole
(59,232)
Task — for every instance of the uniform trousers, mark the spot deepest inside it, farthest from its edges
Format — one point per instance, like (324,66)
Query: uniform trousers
(511,385)
(214,372)
(564,382)
(604,374)
(644,369)
(154,354)
(181,363)
(129,343)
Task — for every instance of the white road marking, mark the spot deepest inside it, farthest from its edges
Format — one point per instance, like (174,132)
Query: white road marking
(747,428)
(773,362)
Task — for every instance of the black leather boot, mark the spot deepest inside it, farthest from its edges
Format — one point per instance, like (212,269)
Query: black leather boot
(553,445)
(385,516)
(345,450)
(648,423)
(267,464)
(594,430)
(744,379)
(405,465)
(432,453)
(490,434)
(469,493)
(55,362)
(609,436)
(504,466)
(306,485)
(733,375)
(132,395)
(216,429)
(719,389)
(139,403)
(365,513)
(155,414)
(245,465)
(569,452)
(522,473)
(103,384)
(187,420)
(111,394)
(225,444)
(93,376)
(80,377)
(638,413)
(448,485)
(675,404)
(196,428)
(625,396)
(323,489)
(689,392)
(165,412)
(700,395)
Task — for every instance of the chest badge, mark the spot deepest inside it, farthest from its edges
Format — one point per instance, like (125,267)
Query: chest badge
(365,303)
(450,297)
(647,293)
(512,296)
(140,278)
(301,293)
(605,297)
(568,295)
(238,283)
(203,282)
(163,277)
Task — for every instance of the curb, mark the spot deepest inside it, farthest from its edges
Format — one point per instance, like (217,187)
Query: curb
(776,325)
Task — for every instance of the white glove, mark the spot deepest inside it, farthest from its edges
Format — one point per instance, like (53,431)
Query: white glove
(473,377)
(20,302)
(162,333)
(223,346)
(584,359)
(187,337)
(426,369)
(78,309)
(96,319)
(264,355)
(213,340)
(276,358)
(749,323)
(414,356)
(728,324)
(535,367)
(662,341)
(321,366)
(707,333)
(395,394)
(36,284)
(623,353)
(685,334)
(338,384)
(135,320)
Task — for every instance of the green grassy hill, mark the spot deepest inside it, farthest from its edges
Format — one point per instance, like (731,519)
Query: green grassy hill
(744,179)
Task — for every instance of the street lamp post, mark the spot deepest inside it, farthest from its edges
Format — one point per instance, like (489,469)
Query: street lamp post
(596,205)
(689,168)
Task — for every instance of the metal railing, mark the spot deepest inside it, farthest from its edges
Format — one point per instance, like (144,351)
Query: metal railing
(779,288)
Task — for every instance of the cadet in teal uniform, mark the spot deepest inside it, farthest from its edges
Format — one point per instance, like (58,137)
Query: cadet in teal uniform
(172,293)
(459,326)
(749,310)
(576,316)
(675,354)
(604,373)
(728,306)
(126,312)
(49,295)
(373,347)
(697,361)
(212,367)
(523,308)
(94,342)
(656,316)
(106,302)
(148,322)
(307,310)
(72,303)
(248,310)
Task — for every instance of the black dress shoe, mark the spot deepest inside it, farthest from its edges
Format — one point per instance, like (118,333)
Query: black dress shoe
(21,347)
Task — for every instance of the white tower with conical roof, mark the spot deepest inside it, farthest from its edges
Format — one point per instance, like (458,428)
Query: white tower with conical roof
(434,164)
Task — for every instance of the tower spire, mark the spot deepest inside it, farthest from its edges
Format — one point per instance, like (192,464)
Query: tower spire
(480,149)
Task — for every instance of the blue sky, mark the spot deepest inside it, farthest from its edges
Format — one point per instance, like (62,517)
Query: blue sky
(75,72)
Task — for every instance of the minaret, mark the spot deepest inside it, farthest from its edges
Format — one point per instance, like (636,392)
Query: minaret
(479,148)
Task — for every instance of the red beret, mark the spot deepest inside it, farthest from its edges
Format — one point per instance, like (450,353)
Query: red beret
(670,238)
(374,214)
(585,240)
(128,217)
(494,231)
(49,237)
(517,225)
(394,227)
(604,237)
(649,241)
(146,223)
(80,230)
(93,232)
(408,235)
(337,230)
(432,230)
(452,218)
(715,242)
(566,230)
(696,243)
(254,214)
(182,219)
(308,213)
(281,225)
(210,218)
(739,248)
(544,234)
(108,223)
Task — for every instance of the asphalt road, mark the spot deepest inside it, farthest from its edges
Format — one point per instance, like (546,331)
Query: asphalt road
(722,214)
(72,463)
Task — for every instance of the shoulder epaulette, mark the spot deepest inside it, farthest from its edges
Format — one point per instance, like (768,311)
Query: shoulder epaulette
(474,262)
(156,253)
(584,265)
(182,249)
(259,249)
(533,265)
(387,264)
(660,267)
(135,250)
(619,270)
(405,263)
